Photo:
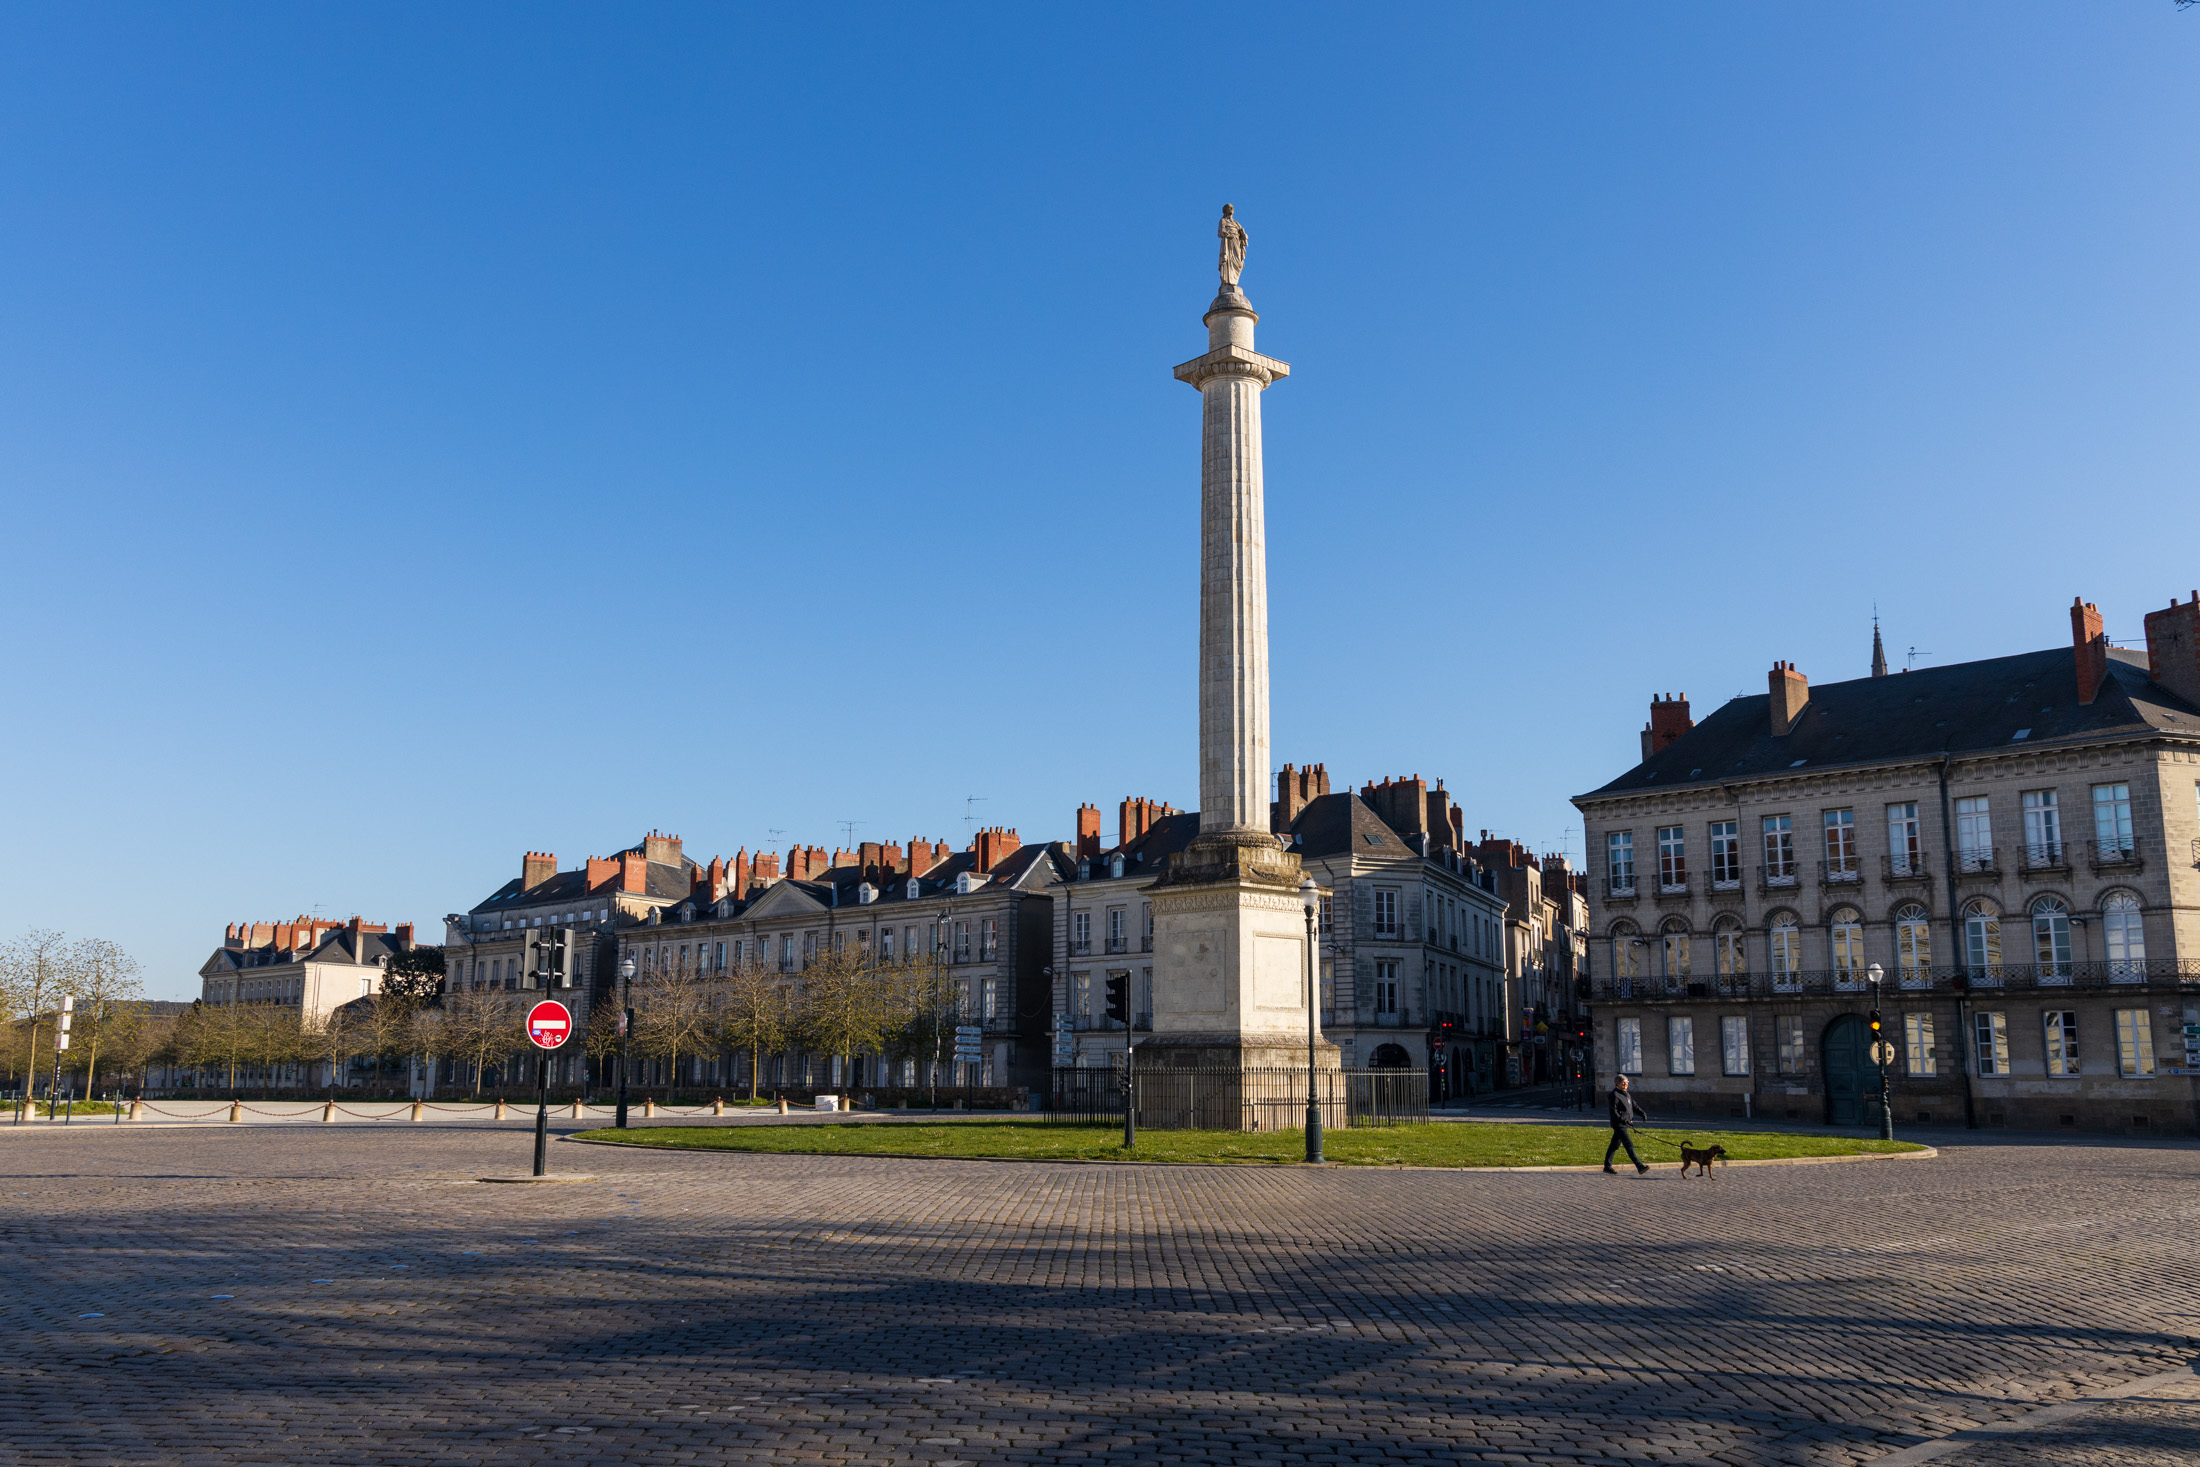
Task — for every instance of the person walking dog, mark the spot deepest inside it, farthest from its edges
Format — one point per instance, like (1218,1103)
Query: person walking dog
(1625,1113)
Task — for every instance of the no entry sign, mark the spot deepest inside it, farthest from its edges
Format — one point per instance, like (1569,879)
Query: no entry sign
(548,1024)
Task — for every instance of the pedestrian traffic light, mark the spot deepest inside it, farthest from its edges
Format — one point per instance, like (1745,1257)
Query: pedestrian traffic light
(1119,997)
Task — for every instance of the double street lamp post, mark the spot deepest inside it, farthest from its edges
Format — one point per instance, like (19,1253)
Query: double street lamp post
(1880,1045)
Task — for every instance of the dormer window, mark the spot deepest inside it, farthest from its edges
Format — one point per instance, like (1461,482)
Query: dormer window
(968,882)
(1115,864)
(866,894)
(1084,870)
(915,889)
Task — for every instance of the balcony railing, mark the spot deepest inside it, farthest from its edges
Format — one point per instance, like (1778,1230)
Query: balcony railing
(1673,883)
(1620,882)
(1977,982)
(1119,945)
(1776,876)
(1145,944)
(1847,871)
(2046,856)
(1080,949)
(1906,866)
(2104,854)
(1977,861)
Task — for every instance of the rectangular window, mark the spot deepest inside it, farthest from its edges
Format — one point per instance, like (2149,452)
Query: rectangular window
(1974,835)
(1327,919)
(1792,1054)
(2042,829)
(1619,849)
(1841,862)
(2134,1042)
(1672,858)
(1116,929)
(1726,853)
(885,944)
(1917,1043)
(1779,850)
(1680,1045)
(1905,852)
(786,952)
(2062,1041)
(962,942)
(989,930)
(1386,991)
(1630,1046)
(1386,913)
(1081,995)
(1734,1046)
(2112,820)
(1080,932)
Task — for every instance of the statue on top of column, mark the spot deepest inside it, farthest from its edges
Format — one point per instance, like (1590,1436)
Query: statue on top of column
(1232,235)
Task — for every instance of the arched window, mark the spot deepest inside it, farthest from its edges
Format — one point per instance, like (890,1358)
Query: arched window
(1626,956)
(1726,946)
(2051,939)
(1784,941)
(1913,945)
(1675,946)
(2127,940)
(1982,942)
(1847,931)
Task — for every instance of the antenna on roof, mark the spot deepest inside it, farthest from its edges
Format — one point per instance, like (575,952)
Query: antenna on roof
(970,815)
(848,832)
(775,833)
(1911,660)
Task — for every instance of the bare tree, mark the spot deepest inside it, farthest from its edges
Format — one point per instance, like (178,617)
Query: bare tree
(214,1036)
(673,1015)
(849,1004)
(35,970)
(100,975)
(479,1027)
(757,1017)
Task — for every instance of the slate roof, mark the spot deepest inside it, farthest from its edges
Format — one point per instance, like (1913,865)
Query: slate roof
(661,881)
(2026,700)
(1342,824)
(335,947)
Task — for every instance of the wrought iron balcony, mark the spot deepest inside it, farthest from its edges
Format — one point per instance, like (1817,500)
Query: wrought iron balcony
(1119,945)
(1846,871)
(1080,949)
(1906,866)
(1978,861)
(1620,881)
(1777,876)
(2105,854)
(2046,856)
(1976,982)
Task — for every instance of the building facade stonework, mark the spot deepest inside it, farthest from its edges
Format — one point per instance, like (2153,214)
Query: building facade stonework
(2009,846)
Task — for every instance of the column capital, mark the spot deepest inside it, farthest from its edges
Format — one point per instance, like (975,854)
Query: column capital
(1232,361)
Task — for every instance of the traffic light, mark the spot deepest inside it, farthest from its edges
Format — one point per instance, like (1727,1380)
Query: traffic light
(1119,997)
(1875,1023)
(549,958)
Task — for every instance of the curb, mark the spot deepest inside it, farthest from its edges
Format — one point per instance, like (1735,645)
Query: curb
(1926,1154)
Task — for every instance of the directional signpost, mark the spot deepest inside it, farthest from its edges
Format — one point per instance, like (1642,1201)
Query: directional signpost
(549,1024)
(968,1039)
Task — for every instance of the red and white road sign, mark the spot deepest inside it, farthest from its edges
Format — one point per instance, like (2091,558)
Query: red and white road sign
(548,1024)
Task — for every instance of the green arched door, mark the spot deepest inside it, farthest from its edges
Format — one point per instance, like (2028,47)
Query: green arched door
(1852,1083)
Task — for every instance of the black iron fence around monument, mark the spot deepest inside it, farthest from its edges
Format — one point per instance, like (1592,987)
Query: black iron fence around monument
(1175,1099)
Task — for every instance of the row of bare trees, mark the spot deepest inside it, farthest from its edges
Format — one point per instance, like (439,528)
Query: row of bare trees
(39,970)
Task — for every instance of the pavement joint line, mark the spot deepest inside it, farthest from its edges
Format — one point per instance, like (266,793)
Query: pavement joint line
(2034,1420)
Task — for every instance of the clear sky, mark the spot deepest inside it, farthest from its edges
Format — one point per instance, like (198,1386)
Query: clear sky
(429,433)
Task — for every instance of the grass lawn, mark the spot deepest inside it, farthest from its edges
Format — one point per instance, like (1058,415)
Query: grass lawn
(1445,1144)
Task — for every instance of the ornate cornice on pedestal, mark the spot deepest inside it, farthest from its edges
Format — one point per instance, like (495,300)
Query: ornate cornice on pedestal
(1232,856)
(1232,361)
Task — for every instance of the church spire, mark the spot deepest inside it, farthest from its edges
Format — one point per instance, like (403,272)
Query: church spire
(1879,653)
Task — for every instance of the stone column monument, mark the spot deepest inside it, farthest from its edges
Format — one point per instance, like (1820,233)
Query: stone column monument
(1230,959)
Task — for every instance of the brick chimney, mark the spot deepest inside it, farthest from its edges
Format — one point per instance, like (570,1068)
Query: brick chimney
(535,868)
(1790,696)
(1088,831)
(993,843)
(404,934)
(1440,811)
(1668,721)
(1296,789)
(600,870)
(2173,648)
(663,849)
(764,869)
(1135,816)
(633,871)
(2089,647)
(1402,803)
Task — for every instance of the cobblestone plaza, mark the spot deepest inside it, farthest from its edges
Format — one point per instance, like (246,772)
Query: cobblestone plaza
(289,1294)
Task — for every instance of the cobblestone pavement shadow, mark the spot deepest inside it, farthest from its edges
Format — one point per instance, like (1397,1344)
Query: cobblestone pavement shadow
(277,1295)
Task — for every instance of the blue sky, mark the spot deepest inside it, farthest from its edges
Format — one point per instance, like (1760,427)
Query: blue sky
(431,433)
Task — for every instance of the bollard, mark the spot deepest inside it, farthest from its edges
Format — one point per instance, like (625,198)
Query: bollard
(649,1107)
(236,1112)
(782,1105)
(576,1110)
(328,1110)
(137,1109)
(416,1110)
(500,1109)
(718,1106)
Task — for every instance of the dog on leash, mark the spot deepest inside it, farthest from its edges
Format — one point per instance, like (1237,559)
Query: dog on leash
(1700,1157)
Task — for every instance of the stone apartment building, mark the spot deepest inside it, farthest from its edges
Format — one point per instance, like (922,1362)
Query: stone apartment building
(1104,930)
(1546,957)
(485,947)
(2008,845)
(988,911)
(313,966)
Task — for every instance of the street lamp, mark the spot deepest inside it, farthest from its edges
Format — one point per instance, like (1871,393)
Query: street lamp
(626,1023)
(1873,975)
(1310,897)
